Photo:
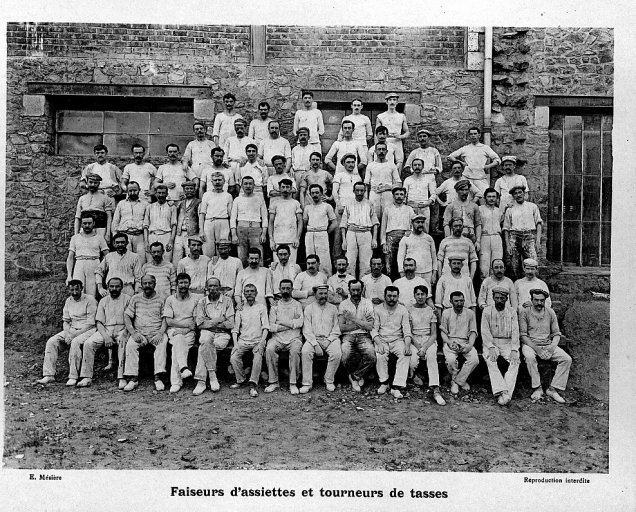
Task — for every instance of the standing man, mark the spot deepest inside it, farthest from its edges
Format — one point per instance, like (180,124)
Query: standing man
(396,223)
(274,145)
(359,229)
(146,328)
(455,282)
(430,157)
(509,179)
(110,174)
(463,208)
(526,284)
(195,265)
(500,337)
(478,159)
(424,326)
(255,170)
(78,316)
(355,317)
(285,321)
(419,246)
(375,283)
(420,191)
(407,284)
(251,327)
(319,221)
(164,272)
(259,127)
(343,194)
(234,147)
(310,117)
(301,156)
(100,205)
(197,154)
(143,173)
(255,275)
(338,283)
(491,246)
(120,263)
(497,280)
(347,146)
(362,130)
(214,215)
(447,188)
(459,332)
(248,220)
(391,334)
(522,229)
(178,313)
(129,218)
(285,221)
(306,283)
(230,174)
(214,317)
(84,252)
(282,268)
(272,191)
(224,121)
(160,222)
(316,175)
(322,334)
(174,175)
(380,178)
(458,246)
(187,220)
(225,267)
(382,135)
(111,332)
(540,336)
(396,124)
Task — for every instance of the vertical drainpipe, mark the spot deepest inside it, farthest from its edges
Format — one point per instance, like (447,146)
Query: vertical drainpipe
(487,84)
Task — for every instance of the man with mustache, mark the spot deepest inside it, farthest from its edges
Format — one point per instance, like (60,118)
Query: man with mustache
(143,173)
(129,218)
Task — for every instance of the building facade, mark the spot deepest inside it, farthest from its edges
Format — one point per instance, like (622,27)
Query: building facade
(71,86)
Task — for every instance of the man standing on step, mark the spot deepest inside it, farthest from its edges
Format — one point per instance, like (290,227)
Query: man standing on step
(396,124)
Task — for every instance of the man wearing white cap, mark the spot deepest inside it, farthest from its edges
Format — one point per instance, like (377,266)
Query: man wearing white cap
(396,123)
(478,158)
(431,159)
(528,282)
(540,336)
(509,179)
(500,337)
(522,229)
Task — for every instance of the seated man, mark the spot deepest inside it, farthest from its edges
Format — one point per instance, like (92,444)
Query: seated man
(146,326)
(529,282)
(78,316)
(322,334)
(500,336)
(355,316)
(215,319)
(540,336)
(459,331)
(285,322)
(251,327)
(392,335)
(306,282)
(178,312)
(424,327)
(338,283)
(111,331)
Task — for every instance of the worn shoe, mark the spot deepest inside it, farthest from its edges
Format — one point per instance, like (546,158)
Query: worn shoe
(396,393)
(131,385)
(417,380)
(501,399)
(214,385)
(383,389)
(537,394)
(122,383)
(361,381)
(465,386)
(253,391)
(293,389)
(159,385)
(199,388)
(110,366)
(71,382)
(552,393)
(84,383)
(272,387)
(304,390)
(439,399)
(46,380)
(454,388)
(236,385)
(186,374)
(330,387)
(354,384)
(175,388)
(230,369)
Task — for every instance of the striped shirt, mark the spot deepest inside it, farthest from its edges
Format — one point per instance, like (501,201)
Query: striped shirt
(160,218)
(360,214)
(197,269)
(165,275)
(499,324)
(467,210)
(126,266)
(110,312)
(456,247)
(129,216)
(145,313)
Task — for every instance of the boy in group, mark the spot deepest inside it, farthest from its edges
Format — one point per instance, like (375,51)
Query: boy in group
(421,191)
(251,327)
(381,177)
(310,117)
(214,215)
(173,174)
(143,173)
(197,154)
(224,121)
(424,330)
(84,252)
(110,174)
(396,124)
(431,159)
(319,221)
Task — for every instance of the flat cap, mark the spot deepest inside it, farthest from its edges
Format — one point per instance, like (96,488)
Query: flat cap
(93,176)
(424,130)
(223,241)
(530,262)
(500,289)
(418,216)
(391,95)
(347,155)
(456,258)
(516,187)
(195,238)
(189,183)
(321,287)
(539,291)
(461,184)
(509,158)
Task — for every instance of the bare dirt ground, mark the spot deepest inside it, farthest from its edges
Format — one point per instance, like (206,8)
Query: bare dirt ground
(54,427)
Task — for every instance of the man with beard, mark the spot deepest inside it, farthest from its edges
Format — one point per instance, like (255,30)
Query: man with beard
(235,145)
(355,317)
(230,174)
(306,283)
(160,222)
(164,272)
(173,175)
(310,117)
(376,282)
(111,332)
(215,319)
(178,312)
(224,121)
(99,205)
(322,334)
(529,282)
(225,267)
(84,251)
(285,322)
(420,191)
(214,215)
(540,336)
(187,220)
(419,246)
(78,316)
(197,153)
(146,328)
(274,145)
(380,178)
(458,246)
(248,220)
(500,337)
(143,173)
(497,279)
(463,208)
(319,220)
(255,275)
(285,220)
(259,127)
(283,268)
(120,263)
(391,335)
(129,218)
(195,265)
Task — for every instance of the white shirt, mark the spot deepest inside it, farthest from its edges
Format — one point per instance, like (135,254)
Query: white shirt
(476,157)
(216,205)
(271,147)
(311,119)
(169,173)
(224,126)
(142,174)
(259,129)
(199,154)
(360,123)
